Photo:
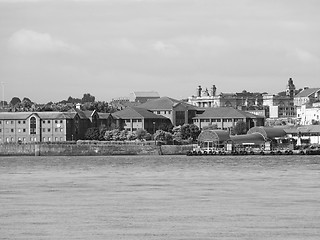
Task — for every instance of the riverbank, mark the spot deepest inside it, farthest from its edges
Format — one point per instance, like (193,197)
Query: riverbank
(91,148)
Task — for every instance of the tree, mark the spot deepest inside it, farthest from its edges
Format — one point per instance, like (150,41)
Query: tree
(240,128)
(14,101)
(87,98)
(190,131)
(141,134)
(92,134)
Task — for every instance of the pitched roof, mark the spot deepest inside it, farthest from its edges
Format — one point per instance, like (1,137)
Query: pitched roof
(268,132)
(152,94)
(136,112)
(104,115)
(14,115)
(81,114)
(226,112)
(304,129)
(307,92)
(165,103)
(42,115)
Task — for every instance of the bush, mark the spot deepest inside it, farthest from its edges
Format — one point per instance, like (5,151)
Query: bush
(92,134)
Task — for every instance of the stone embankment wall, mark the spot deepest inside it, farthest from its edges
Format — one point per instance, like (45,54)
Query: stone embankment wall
(90,149)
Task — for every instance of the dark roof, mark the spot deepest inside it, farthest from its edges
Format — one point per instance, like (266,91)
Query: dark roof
(268,132)
(104,115)
(137,112)
(217,136)
(165,103)
(254,138)
(226,112)
(81,114)
(42,115)
(307,92)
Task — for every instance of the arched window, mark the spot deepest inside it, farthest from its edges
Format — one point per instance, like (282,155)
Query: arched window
(33,125)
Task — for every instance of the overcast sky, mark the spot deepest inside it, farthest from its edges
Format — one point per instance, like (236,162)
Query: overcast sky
(53,49)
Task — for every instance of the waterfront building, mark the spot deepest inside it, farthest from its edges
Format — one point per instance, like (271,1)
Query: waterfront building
(40,127)
(226,118)
(306,134)
(134,118)
(178,112)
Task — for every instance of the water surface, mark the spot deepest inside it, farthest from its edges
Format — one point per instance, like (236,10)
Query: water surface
(160,197)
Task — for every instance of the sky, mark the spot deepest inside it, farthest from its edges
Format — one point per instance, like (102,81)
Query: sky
(53,49)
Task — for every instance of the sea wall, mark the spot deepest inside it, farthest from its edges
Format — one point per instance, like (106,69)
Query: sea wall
(90,149)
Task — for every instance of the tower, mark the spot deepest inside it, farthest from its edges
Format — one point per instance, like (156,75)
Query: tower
(199,89)
(213,90)
(290,90)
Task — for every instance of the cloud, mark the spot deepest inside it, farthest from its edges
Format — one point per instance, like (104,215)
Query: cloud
(28,41)
(165,49)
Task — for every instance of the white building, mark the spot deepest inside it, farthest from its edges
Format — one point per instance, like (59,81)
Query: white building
(308,115)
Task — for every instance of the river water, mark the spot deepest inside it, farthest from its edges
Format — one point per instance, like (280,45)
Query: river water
(160,197)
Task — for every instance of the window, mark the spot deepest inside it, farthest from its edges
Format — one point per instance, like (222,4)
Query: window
(61,121)
(56,121)
(218,120)
(44,139)
(139,120)
(33,125)
(24,122)
(56,139)
(61,129)
(7,122)
(43,121)
(49,139)
(12,130)
(12,122)
(43,130)
(158,112)
(49,129)
(19,130)
(0,122)
(127,120)
(19,122)
(56,129)
(0,130)
(61,139)
(24,130)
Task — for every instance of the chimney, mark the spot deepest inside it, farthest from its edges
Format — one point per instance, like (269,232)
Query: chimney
(199,89)
(78,106)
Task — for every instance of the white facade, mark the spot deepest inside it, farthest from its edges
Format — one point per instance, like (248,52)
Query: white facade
(307,116)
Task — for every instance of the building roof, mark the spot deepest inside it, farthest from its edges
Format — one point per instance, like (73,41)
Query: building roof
(307,92)
(217,136)
(81,114)
(147,94)
(253,138)
(104,115)
(268,132)
(226,112)
(165,103)
(42,115)
(136,113)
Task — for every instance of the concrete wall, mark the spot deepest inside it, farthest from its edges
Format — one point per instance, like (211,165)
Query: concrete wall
(92,149)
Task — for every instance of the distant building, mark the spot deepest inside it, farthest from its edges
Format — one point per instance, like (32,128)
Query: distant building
(281,106)
(142,97)
(226,118)
(308,115)
(307,96)
(205,98)
(134,118)
(177,111)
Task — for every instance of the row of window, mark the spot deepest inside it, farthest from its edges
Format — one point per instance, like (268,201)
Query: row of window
(49,121)
(24,130)
(33,139)
(217,120)
(133,120)
(12,122)
(162,112)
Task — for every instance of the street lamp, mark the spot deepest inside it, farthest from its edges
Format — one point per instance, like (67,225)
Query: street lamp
(154,127)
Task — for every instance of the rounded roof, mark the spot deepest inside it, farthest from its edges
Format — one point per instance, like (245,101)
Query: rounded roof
(213,136)
(253,138)
(268,132)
